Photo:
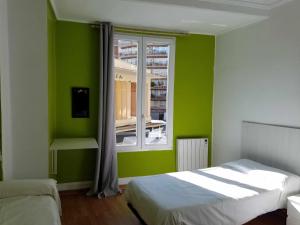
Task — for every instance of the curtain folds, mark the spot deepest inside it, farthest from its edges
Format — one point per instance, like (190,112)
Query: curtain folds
(106,175)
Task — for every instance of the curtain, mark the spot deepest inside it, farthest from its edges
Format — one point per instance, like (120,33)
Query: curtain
(106,177)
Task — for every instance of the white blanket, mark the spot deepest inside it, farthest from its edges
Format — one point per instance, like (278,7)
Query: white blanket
(231,194)
(29,202)
(29,210)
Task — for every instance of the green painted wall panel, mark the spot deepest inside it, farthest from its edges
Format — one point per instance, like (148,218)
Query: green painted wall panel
(194,87)
(77,65)
(75,165)
(145,163)
(51,22)
(193,92)
(51,25)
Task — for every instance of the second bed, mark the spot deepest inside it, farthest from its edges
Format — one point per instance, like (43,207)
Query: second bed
(231,194)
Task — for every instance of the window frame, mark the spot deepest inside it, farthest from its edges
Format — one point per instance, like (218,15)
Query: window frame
(142,41)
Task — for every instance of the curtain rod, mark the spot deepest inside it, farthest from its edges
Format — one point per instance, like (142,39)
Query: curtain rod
(144,31)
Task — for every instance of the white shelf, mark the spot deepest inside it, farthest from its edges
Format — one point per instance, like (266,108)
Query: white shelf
(69,144)
(73,143)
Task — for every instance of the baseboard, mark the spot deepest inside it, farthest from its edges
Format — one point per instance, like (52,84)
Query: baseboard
(87,184)
(74,185)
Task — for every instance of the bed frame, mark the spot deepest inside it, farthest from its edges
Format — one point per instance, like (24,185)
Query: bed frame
(133,210)
(274,145)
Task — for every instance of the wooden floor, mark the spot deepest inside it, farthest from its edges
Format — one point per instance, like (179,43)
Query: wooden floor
(81,210)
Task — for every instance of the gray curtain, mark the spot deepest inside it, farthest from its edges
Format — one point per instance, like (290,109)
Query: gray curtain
(106,176)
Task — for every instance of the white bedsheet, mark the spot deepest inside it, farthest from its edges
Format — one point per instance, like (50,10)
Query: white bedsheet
(231,194)
(29,202)
(29,210)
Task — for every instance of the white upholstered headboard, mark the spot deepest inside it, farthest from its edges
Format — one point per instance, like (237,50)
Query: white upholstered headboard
(273,145)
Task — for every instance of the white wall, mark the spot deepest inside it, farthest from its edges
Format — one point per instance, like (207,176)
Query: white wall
(257,78)
(26,153)
(5,89)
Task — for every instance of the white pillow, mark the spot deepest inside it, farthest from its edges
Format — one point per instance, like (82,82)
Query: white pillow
(289,182)
(33,187)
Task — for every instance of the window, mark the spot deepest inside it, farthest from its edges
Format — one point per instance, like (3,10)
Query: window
(143,69)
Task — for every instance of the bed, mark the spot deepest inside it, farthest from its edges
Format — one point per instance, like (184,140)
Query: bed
(231,194)
(29,202)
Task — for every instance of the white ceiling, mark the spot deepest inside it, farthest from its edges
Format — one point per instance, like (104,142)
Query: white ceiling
(193,16)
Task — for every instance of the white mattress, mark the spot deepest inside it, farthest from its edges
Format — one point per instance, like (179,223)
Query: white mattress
(233,193)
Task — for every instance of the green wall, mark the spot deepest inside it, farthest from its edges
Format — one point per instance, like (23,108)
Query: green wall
(193,97)
(51,71)
(77,65)
(193,93)
(51,25)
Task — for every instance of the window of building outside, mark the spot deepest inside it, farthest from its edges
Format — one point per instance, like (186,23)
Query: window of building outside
(144,77)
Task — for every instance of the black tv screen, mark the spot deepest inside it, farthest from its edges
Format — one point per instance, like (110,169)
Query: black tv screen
(80,102)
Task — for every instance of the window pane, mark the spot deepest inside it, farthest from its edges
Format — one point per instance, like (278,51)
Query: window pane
(157,60)
(125,68)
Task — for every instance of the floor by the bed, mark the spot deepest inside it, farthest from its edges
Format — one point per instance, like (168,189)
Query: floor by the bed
(81,210)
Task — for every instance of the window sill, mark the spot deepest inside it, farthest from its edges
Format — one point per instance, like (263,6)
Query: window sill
(146,149)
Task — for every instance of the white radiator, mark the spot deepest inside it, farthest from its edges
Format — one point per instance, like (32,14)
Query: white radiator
(192,153)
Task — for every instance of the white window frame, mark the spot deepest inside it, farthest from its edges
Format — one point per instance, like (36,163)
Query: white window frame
(141,98)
